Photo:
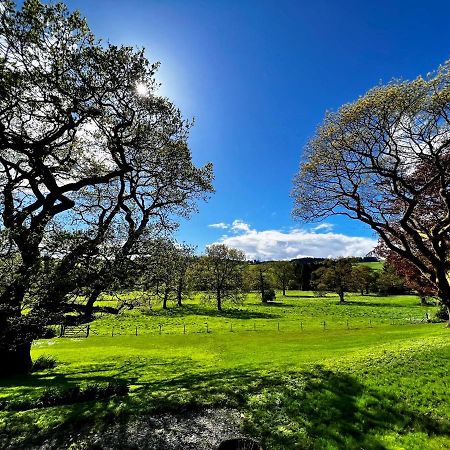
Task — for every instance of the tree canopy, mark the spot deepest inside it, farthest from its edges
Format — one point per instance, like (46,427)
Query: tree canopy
(385,160)
(83,152)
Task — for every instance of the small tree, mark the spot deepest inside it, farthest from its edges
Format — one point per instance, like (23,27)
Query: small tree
(363,278)
(220,272)
(334,276)
(284,273)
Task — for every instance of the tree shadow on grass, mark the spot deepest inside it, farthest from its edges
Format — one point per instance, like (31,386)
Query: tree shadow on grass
(314,409)
(200,310)
(317,408)
(301,296)
(378,304)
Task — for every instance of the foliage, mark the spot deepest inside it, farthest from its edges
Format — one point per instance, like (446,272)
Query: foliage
(363,278)
(89,168)
(220,272)
(385,160)
(269,295)
(334,276)
(389,282)
(412,276)
(163,270)
(43,362)
(284,273)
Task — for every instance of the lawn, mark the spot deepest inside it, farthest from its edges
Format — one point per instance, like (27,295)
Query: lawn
(380,382)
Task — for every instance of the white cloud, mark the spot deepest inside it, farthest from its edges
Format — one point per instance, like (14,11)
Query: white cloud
(296,243)
(240,225)
(324,226)
(221,225)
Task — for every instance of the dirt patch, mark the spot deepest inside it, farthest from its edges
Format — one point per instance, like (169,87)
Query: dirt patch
(199,430)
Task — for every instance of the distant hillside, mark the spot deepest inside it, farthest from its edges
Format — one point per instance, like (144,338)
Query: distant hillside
(375,265)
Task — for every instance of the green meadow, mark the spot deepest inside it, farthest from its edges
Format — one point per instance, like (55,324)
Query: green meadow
(305,372)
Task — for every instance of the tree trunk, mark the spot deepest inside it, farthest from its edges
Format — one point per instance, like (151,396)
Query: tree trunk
(15,361)
(423,300)
(284,290)
(444,295)
(341,296)
(166,296)
(89,307)
(180,292)
(219,300)
(362,291)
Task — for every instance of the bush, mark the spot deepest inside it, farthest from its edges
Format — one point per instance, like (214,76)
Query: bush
(442,313)
(48,333)
(67,396)
(269,295)
(43,362)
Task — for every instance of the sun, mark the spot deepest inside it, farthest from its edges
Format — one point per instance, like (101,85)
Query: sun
(142,89)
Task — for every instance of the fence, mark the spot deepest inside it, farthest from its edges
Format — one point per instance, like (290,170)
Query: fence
(205,327)
(81,331)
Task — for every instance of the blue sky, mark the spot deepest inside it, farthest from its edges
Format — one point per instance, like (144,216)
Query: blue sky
(258,76)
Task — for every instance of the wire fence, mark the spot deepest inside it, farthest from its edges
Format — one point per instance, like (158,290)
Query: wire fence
(205,327)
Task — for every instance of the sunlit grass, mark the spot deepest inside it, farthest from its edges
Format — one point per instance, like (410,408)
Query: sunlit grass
(379,386)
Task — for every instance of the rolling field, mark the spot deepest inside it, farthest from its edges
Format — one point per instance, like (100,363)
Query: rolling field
(379,382)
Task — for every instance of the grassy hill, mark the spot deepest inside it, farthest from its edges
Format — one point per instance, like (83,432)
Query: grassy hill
(379,380)
(376,265)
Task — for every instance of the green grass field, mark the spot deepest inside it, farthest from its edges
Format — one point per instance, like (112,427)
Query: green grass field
(375,265)
(379,382)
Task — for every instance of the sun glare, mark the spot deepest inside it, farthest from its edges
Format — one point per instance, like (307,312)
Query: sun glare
(142,89)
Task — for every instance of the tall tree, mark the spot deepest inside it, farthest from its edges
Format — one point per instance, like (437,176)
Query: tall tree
(334,276)
(221,273)
(79,146)
(385,160)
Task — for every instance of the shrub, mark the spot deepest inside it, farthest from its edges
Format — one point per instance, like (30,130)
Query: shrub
(442,314)
(67,396)
(48,333)
(43,362)
(269,295)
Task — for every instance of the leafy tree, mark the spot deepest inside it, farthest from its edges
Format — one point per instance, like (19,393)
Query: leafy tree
(363,278)
(385,160)
(80,150)
(413,279)
(220,272)
(389,282)
(303,268)
(163,270)
(260,277)
(284,273)
(334,276)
